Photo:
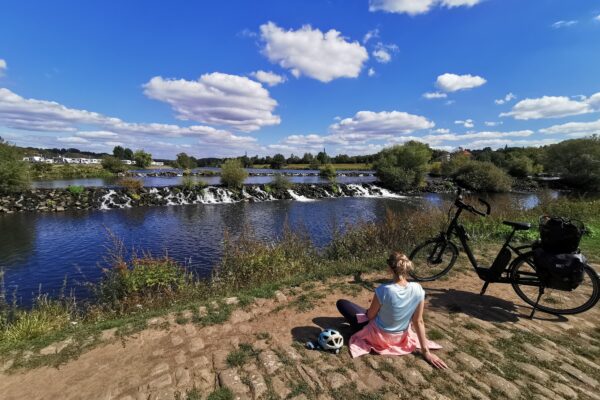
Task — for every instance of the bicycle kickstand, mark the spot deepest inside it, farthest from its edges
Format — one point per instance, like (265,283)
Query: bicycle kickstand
(484,288)
(541,292)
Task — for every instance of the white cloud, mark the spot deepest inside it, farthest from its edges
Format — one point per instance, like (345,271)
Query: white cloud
(33,115)
(414,7)
(506,99)
(493,123)
(553,107)
(371,72)
(372,34)
(217,99)
(597,18)
(268,77)
(382,56)
(368,123)
(383,52)
(452,82)
(434,95)
(468,123)
(97,134)
(574,129)
(564,24)
(3,66)
(307,51)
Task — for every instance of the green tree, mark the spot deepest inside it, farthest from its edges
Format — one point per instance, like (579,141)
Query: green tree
(456,160)
(278,161)
(142,159)
(185,162)
(119,152)
(577,161)
(281,182)
(14,172)
(323,157)
(128,154)
(403,166)
(233,174)
(520,166)
(113,164)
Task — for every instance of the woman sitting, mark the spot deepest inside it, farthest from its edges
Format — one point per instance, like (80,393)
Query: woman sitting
(388,329)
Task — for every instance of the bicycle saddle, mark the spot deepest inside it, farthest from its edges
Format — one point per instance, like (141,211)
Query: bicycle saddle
(519,226)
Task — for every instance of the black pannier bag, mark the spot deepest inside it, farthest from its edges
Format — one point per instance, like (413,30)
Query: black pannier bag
(560,271)
(560,235)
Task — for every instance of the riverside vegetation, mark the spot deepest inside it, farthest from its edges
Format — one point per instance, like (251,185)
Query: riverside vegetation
(136,287)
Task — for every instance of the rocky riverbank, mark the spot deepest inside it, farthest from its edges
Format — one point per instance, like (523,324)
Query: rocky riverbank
(56,200)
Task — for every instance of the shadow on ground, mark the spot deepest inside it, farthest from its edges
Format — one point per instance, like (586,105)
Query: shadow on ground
(487,308)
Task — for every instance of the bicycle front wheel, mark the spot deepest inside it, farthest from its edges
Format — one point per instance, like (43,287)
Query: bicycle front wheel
(433,259)
(526,283)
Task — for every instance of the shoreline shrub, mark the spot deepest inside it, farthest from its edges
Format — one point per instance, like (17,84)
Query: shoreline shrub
(483,176)
(75,190)
(403,167)
(14,172)
(577,161)
(281,182)
(113,164)
(131,184)
(328,171)
(233,174)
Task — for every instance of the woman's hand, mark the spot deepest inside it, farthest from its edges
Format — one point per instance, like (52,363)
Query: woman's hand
(434,360)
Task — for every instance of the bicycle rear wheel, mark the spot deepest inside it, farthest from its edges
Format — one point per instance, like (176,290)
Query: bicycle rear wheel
(433,259)
(526,283)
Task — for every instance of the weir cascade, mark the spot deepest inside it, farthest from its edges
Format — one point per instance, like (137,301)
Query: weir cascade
(56,200)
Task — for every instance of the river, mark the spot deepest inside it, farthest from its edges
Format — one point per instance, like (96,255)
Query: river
(38,251)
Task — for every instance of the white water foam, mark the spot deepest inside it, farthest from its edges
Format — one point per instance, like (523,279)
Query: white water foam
(298,197)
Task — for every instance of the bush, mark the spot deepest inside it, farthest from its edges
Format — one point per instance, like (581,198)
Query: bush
(328,171)
(577,161)
(404,166)
(435,168)
(75,190)
(113,164)
(281,182)
(185,162)
(45,317)
(14,173)
(131,184)
(520,166)
(142,159)
(456,161)
(233,174)
(483,177)
(190,183)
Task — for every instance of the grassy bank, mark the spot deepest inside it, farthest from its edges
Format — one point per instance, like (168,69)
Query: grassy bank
(67,171)
(137,288)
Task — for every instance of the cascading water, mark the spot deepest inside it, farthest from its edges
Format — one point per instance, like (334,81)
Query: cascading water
(298,197)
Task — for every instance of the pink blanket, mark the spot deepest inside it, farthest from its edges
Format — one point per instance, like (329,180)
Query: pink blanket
(381,342)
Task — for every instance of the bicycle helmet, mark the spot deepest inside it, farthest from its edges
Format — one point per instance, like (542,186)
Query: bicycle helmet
(330,339)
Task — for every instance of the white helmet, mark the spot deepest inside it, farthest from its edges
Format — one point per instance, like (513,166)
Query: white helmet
(330,339)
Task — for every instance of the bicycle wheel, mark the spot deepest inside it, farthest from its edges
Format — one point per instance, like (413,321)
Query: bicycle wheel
(433,259)
(527,285)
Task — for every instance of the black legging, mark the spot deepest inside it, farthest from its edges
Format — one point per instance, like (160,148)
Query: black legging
(349,310)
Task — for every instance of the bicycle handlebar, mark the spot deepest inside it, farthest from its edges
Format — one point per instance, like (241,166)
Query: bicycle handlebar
(459,203)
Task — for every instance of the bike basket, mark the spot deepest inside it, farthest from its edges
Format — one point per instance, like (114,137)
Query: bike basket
(560,271)
(560,235)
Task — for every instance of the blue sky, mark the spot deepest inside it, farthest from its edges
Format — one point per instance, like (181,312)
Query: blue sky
(222,78)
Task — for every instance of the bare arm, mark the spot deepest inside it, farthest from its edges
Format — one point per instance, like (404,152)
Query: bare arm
(374,308)
(419,325)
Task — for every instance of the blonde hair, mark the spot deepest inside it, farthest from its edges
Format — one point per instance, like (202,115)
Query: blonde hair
(400,264)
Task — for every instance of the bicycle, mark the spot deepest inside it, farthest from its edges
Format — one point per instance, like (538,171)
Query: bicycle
(435,258)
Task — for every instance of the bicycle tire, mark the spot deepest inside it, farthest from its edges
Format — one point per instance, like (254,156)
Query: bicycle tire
(423,247)
(590,274)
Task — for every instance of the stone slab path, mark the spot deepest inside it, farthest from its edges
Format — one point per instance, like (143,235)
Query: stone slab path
(493,350)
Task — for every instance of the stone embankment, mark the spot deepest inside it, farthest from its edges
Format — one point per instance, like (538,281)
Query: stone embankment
(494,352)
(53,200)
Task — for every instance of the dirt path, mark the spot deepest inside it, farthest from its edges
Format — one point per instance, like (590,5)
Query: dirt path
(493,350)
